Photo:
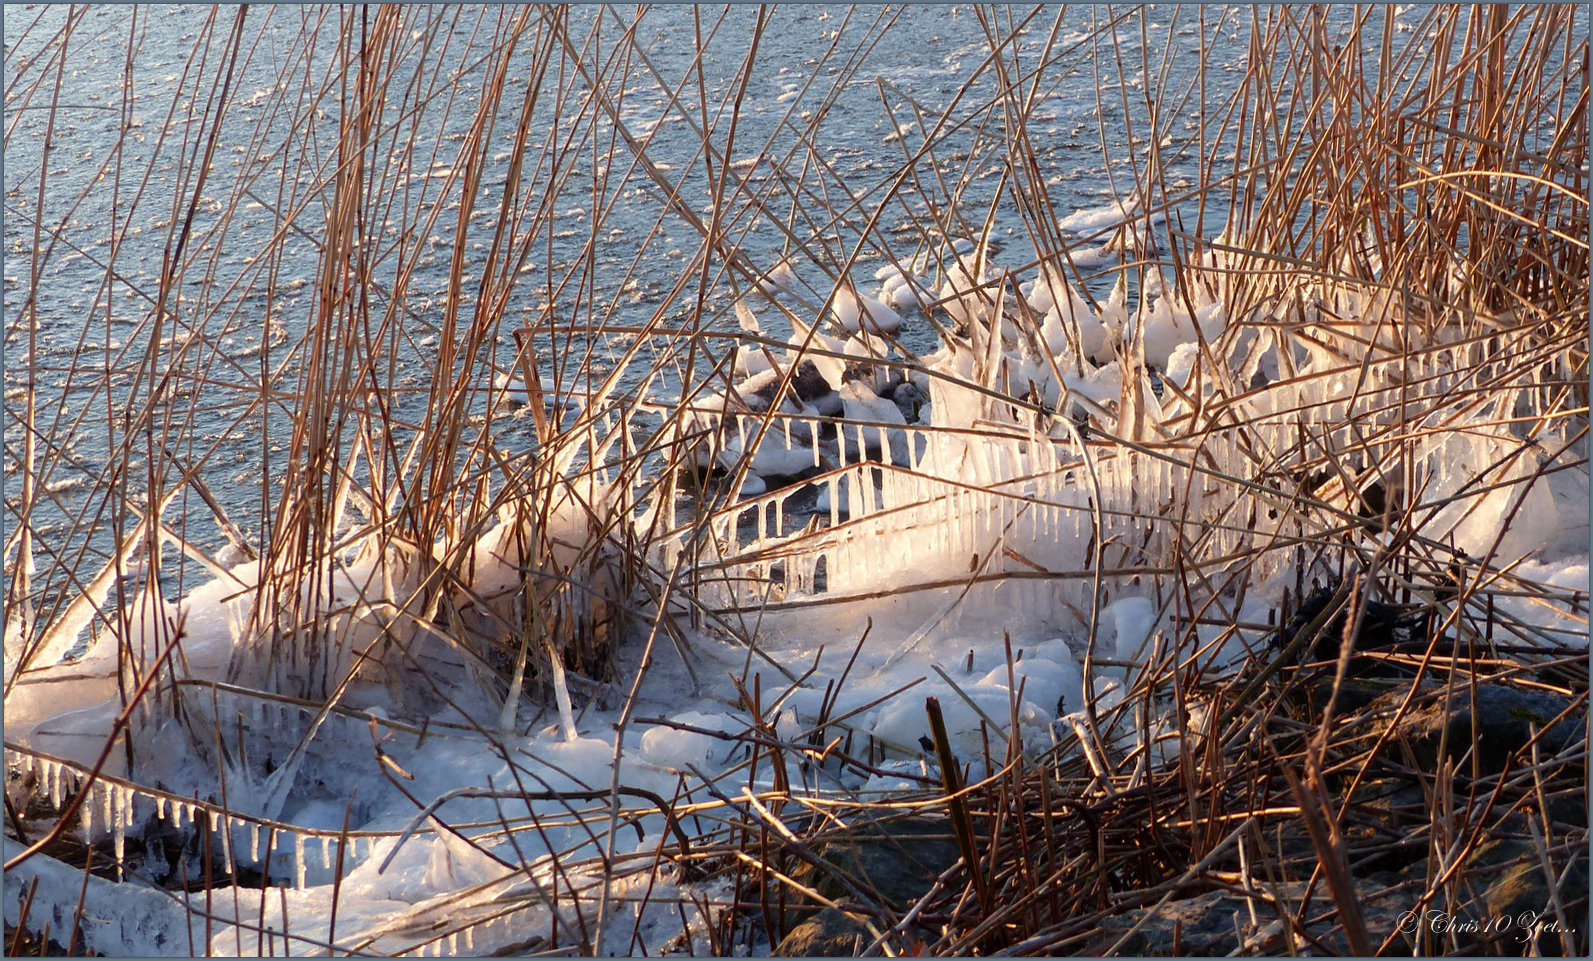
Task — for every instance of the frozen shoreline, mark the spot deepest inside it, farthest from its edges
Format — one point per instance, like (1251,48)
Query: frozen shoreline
(662,472)
(983,504)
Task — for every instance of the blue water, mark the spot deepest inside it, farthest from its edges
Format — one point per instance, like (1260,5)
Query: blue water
(835,102)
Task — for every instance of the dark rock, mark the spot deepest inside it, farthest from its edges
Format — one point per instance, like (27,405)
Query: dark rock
(1499,723)
(1202,926)
(892,863)
(1219,923)
(1569,809)
(1398,802)
(1517,889)
(828,934)
(809,384)
(1353,695)
(1381,626)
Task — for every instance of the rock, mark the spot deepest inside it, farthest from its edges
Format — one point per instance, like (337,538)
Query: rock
(1204,925)
(1219,923)
(1520,893)
(1397,802)
(1353,695)
(828,934)
(893,863)
(1504,719)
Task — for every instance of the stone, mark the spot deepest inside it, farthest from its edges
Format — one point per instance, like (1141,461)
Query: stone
(1219,923)
(893,863)
(828,934)
(1520,892)
(1504,717)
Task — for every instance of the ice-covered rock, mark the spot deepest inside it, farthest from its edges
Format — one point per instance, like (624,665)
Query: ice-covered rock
(856,312)
(903,289)
(678,748)
(781,279)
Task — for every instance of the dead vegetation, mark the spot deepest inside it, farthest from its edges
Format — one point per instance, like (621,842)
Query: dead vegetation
(1412,215)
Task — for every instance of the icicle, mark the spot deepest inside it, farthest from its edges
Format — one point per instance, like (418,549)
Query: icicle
(470,940)
(254,843)
(326,853)
(813,435)
(87,817)
(122,820)
(229,824)
(298,861)
(160,807)
(126,807)
(107,806)
(452,945)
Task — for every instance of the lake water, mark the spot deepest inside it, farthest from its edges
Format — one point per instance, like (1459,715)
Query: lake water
(833,109)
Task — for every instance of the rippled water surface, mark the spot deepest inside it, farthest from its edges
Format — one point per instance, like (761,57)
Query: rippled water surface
(856,130)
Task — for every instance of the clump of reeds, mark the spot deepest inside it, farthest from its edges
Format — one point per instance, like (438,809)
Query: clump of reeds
(1441,188)
(1444,186)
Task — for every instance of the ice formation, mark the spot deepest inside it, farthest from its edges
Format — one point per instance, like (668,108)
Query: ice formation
(856,312)
(963,502)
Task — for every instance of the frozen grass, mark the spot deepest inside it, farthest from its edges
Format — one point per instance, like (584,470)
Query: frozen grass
(1355,347)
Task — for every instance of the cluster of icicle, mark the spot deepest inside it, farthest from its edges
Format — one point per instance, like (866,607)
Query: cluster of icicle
(115,808)
(1018,488)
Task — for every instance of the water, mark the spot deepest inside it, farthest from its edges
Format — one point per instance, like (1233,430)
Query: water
(830,113)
